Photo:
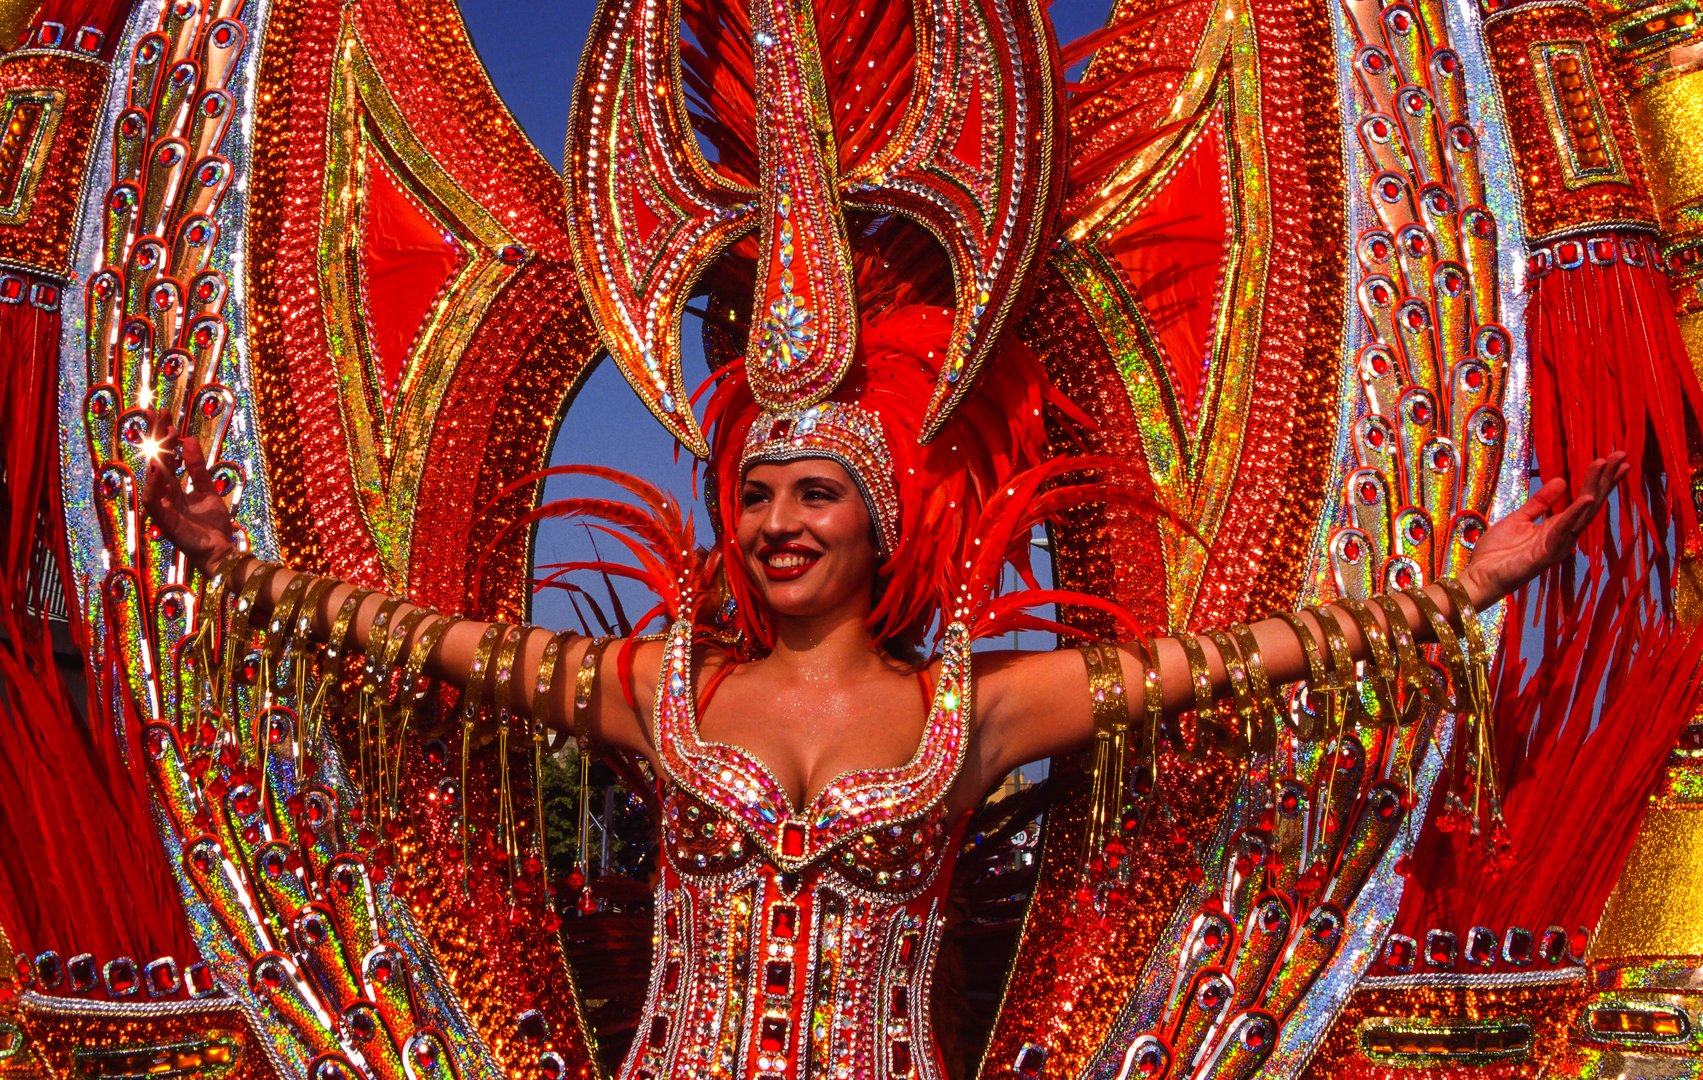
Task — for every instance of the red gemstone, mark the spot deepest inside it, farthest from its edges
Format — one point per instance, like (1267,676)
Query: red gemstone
(783,920)
(658,1032)
(771,1036)
(777,977)
(901,1057)
(907,948)
(792,840)
(671,977)
(901,1002)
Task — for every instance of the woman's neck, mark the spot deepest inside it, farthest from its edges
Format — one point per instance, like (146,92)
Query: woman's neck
(822,644)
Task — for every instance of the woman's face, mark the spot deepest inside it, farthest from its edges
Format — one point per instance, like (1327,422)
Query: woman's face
(806,538)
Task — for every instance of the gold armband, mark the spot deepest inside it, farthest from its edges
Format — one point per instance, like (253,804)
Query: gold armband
(1106,690)
(1264,699)
(1454,655)
(1479,653)
(1381,706)
(1241,689)
(414,681)
(1341,660)
(543,690)
(1205,706)
(585,686)
(1317,676)
(251,590)
(1415,672)
(284,614)
(343,624)
(1152,697)
(1110,704)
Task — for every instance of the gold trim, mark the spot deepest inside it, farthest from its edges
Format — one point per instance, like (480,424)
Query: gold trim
(1183,456)
(387,447)
(1575,173)
(33,162)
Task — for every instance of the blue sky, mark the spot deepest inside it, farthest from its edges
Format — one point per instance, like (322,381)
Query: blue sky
(531,49)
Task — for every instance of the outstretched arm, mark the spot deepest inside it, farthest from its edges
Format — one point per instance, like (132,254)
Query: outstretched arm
(196,520)
(1035,705)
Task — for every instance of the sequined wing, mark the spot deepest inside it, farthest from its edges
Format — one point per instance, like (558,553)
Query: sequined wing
(974,161)
(1308,363)
(316,241)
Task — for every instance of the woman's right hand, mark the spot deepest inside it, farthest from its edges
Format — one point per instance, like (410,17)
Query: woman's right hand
(184,506)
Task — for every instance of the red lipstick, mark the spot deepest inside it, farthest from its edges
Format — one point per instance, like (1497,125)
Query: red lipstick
(786,573)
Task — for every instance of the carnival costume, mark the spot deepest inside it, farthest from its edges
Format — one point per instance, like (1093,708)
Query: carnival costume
(1266,311)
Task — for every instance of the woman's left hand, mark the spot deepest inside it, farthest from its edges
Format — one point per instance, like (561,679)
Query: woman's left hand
(1538,535)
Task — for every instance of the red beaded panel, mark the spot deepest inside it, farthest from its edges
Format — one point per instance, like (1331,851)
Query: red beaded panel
(207,1039)
(421,108)
(1579,162)
(1268,459)
(1444,1033)
(48,107)
(530,339)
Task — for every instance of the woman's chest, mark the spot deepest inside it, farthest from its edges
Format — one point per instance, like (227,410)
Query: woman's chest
(725,803)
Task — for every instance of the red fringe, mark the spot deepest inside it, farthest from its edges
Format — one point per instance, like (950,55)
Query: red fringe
(1610,372)
(1576,779)
(84,871)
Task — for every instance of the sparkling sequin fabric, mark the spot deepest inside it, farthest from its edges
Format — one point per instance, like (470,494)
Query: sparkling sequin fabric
(798,942)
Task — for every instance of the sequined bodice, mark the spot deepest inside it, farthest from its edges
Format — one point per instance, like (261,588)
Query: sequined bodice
(795,942)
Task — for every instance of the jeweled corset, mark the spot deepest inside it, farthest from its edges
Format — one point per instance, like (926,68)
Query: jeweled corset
(797,944)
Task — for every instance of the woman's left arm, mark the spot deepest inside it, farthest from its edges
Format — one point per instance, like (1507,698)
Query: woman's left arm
(1034,705)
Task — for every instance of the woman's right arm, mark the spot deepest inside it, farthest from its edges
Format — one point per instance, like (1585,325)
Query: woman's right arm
(196,520)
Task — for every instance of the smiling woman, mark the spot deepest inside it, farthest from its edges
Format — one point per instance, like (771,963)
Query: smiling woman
(878,451)
(806,795)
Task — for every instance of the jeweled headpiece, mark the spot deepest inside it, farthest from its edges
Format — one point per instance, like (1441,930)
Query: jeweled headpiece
(842,432)
(948,130)
(881,208)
